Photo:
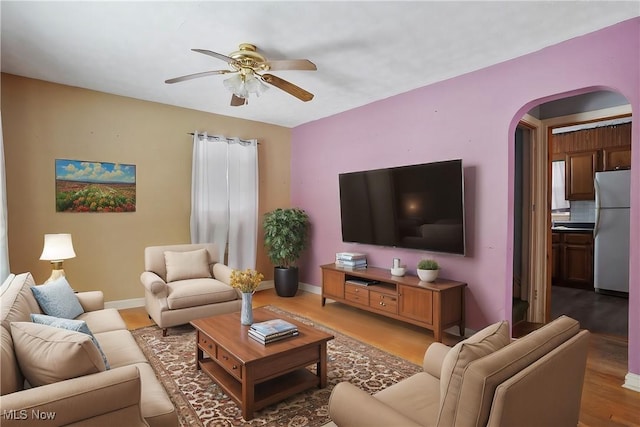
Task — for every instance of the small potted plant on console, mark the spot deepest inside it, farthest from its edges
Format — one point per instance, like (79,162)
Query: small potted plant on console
(428,270)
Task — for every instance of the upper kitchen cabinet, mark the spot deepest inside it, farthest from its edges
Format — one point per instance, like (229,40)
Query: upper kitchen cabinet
(616,158)
(580,169)
(588,151)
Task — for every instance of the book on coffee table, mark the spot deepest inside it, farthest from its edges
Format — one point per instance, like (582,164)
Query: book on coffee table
(273,328)
(254,335)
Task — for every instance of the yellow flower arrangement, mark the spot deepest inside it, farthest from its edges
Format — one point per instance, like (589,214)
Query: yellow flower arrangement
(247,280)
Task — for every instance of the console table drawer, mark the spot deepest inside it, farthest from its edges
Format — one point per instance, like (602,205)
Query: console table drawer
(230,363)
(383,302)
(357,294)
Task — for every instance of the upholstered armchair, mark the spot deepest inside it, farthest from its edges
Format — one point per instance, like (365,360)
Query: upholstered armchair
(485,380)
(186,282)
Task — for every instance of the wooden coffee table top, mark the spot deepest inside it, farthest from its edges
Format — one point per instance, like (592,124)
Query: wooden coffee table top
(227,331)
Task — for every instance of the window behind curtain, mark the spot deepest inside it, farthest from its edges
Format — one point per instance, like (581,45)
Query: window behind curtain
(559,205)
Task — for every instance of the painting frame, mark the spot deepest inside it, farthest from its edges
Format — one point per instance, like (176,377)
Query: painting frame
(94,187)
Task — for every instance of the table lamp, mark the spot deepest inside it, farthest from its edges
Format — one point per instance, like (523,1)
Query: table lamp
(57,248)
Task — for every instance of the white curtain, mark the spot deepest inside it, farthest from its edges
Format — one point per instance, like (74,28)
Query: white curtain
(4,240)
(224,197)
(243,203)
(209,192)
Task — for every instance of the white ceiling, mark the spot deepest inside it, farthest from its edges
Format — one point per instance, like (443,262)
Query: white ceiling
(364,51)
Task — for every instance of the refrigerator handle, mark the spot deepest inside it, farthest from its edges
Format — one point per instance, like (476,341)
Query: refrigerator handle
(597,223)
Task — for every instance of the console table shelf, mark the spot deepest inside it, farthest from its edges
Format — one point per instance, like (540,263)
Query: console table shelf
(433,305)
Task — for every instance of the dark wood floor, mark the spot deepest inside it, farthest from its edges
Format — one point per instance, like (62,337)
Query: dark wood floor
(605,403)
(599,313)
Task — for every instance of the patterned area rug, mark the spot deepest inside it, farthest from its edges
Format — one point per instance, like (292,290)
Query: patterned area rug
(200,402)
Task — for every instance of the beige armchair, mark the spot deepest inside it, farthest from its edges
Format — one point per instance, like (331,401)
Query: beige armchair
(485,380)
(186,282)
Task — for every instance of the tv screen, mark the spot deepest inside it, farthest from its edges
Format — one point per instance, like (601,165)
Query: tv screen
(415,207)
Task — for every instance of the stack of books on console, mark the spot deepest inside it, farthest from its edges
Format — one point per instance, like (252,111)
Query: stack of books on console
(272,330)
(351,260)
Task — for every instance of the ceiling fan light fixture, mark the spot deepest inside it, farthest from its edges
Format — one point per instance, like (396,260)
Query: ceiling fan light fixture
(255,85)
(236,85)
(243,85)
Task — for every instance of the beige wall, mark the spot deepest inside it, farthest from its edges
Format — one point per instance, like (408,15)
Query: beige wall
(44,121)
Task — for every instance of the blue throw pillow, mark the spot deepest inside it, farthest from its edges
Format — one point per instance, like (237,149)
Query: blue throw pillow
(58,299)
(71,325)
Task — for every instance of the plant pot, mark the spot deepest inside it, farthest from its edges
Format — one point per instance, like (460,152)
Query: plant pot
(428,275)
(285,281)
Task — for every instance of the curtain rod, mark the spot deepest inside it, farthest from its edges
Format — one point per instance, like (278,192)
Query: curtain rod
(242,141)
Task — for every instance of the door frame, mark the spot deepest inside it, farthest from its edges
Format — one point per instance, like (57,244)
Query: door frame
(536,215)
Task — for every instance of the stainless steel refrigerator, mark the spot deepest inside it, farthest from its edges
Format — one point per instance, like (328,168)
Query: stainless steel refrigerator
(611,231)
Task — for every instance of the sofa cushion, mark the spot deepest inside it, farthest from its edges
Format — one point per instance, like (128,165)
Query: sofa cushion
(156,406)
(58,299)
(17,300)
(121,348)
(416,397)
(107,319)
(48,355)
(195,292)
(70,325)
(187,265)
(11,379)
(482,343)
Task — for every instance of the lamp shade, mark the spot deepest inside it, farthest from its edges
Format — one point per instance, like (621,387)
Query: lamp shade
(57,247)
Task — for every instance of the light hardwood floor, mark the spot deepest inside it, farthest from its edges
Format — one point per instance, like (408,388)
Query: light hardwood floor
(605,403)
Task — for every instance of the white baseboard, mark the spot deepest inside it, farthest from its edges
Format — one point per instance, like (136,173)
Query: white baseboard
(632,382)
(268,284)
(125,303)
(265,284)
(310,288)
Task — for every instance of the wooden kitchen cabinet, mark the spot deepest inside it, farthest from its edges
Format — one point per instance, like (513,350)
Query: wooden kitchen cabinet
(580,171)
(573,260)
(615,158)
(581,168)
(556,257)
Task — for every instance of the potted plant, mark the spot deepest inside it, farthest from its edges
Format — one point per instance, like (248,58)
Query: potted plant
(428,270)
(285,237)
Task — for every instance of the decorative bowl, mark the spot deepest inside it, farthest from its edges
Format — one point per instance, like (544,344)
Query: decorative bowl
(398,271)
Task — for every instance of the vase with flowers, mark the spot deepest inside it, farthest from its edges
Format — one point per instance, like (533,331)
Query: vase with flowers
(246,281)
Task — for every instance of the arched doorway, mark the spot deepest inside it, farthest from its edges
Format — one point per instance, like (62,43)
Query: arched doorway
(583,108)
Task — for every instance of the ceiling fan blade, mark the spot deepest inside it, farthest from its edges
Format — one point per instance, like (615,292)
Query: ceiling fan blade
(225,58)
(236,101)
(291,64)
(196,75)
(288,87)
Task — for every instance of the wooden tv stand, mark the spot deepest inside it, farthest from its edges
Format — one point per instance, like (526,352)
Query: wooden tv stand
(435,306)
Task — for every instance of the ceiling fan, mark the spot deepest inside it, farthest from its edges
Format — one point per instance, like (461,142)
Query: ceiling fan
(248,67)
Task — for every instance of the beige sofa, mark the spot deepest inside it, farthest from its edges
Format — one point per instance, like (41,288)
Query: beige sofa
(128,394)
(186,282)
(485,380)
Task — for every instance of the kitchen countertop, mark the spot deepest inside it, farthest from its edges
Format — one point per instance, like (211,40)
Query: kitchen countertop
(572,227)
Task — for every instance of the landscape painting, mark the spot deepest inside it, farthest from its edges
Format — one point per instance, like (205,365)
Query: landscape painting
(83,186)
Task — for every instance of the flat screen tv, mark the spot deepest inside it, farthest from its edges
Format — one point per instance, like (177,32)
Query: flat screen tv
(415,207)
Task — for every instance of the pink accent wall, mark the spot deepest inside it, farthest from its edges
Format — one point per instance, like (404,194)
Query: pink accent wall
(472,117)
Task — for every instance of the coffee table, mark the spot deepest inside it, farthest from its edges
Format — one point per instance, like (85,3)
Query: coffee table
(256,375)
